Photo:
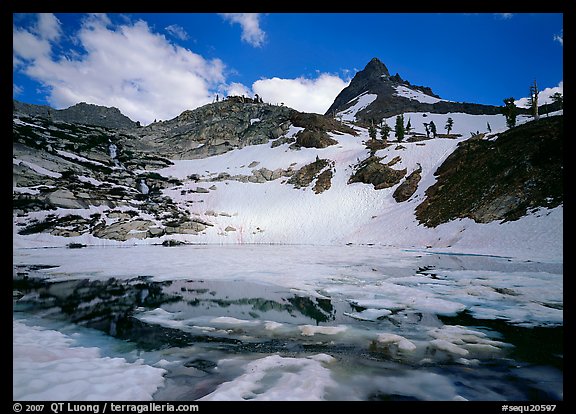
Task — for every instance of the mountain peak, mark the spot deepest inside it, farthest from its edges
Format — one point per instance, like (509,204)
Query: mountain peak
(376,67)
(373,95)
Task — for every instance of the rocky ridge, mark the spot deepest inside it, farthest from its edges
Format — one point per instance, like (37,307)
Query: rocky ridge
(81,113)
(502,179)
(233,124)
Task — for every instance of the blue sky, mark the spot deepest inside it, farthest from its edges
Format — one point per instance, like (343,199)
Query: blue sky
(154,66)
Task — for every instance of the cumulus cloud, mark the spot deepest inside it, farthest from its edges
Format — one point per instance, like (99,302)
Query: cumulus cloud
(238,89)
(28,46)
(303,94)
(250,23)
(127,66)
(544,96)
(177,31)
(141,72)
(48,26)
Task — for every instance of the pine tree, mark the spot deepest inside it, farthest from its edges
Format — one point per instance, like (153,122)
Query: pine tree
(449,125)
(408,127)
(510,112)
(385,131)
(427,128)
(557,97)
(433,128)
(399,128)
(488,126)
(372,131)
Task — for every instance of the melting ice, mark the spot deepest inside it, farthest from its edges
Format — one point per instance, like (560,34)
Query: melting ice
(285,323)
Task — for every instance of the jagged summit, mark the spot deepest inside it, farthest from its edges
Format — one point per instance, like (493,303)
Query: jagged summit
(374,68)
(374,94)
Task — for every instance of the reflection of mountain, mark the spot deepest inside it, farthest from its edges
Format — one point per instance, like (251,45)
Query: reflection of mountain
(256,304)
(109,305)
(320,311)
(105,305)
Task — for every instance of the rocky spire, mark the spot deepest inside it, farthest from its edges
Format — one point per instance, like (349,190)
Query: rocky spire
(387,100)
(373,71)
(375,68)
(363,81)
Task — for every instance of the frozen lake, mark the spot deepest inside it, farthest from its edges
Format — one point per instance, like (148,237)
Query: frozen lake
(284,322)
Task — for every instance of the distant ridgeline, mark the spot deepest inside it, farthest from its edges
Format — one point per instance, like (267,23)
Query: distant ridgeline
(81,113)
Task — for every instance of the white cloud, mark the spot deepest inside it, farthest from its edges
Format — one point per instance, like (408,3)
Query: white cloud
(250,23)
(505,16)
(142,73)
(126,66)
(16,90)
(238,89)
(560,38)
(48,26)
(544,96)
(177,31)
(28,46)
(302,94)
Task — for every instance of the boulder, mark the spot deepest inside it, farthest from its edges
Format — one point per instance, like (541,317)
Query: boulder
(124,230)
(314,139)
(65,199)
(371,171)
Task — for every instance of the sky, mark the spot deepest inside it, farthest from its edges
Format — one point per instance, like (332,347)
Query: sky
(154,66)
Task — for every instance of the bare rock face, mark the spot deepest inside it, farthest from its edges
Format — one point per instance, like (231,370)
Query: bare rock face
(319,170)
(66,199)
(371,171)
(124,230)
(408,187)
(314,139)
(215,129)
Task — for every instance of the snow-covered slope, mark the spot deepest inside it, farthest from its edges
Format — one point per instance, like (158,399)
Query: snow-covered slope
(275,211)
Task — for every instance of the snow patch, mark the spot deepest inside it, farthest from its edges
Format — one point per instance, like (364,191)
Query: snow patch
(276,378)
(360,102)
(48,367)
(415,95)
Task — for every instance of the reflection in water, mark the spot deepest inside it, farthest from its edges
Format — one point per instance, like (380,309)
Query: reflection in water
(196,324)
(110,305)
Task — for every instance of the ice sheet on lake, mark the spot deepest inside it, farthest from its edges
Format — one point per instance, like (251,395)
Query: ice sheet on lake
(370,277)
(276,378)
(47,367)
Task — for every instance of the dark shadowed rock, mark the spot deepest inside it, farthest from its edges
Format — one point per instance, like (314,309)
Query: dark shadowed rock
(371,171)
(316,170)
(408,186)
(501,179)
